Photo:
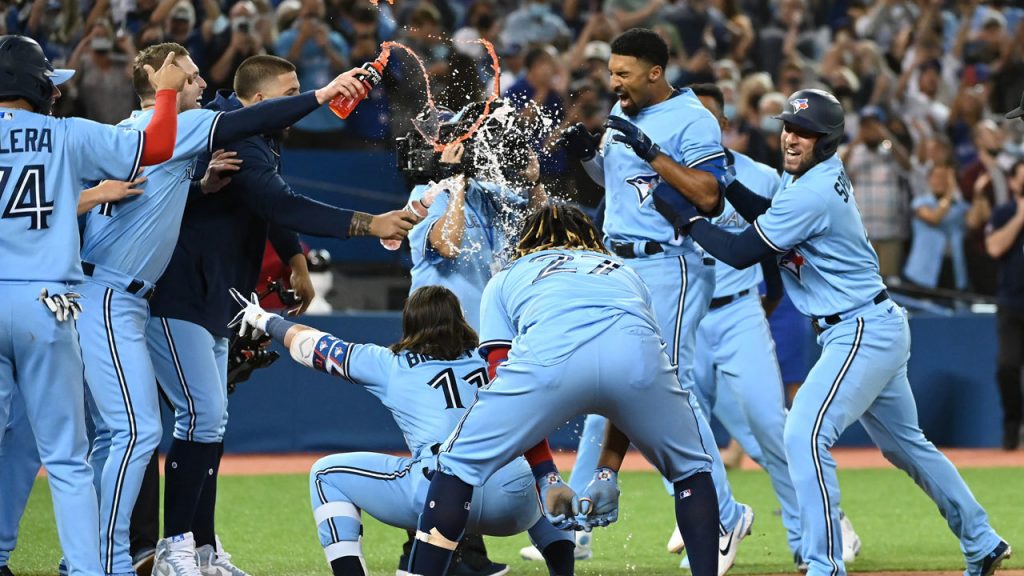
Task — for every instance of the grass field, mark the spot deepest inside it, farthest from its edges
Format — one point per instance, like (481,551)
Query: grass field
(265,522)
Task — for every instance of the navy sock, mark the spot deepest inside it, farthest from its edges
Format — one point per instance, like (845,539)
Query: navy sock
(185,472)
(347,566)
(697,518)
(203,529)
(560,557)
(445,511)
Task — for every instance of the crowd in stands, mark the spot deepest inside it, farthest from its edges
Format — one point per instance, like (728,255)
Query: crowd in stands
(924,83)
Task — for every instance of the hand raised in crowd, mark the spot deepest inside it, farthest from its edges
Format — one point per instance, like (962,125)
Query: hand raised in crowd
(170,76)
(222,164)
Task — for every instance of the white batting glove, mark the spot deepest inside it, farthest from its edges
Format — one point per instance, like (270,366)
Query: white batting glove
(63,306)
(252,318)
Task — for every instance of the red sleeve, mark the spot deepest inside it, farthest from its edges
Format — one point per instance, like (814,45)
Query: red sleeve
(162,130)
(495,356)
(539,454)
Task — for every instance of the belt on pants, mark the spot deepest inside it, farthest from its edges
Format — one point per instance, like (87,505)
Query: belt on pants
(834,319)
(133,287)
(724,300)
(628,249)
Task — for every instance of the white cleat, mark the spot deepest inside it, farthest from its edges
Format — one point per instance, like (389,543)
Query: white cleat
(675,542)
(851,542)
(583,550)
(217,562)
(176,556)
(728,544)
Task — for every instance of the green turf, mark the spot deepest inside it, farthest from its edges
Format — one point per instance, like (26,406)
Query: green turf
(266,523)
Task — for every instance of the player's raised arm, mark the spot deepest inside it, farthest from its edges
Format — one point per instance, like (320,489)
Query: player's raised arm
(161,132)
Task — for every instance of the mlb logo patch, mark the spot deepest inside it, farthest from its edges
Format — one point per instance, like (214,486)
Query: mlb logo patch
(685,494)
(800,104)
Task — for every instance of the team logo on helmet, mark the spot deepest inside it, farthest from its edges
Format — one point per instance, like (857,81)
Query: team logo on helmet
(799,104)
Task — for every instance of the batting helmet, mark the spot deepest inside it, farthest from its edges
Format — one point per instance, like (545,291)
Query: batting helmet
(820,112)
(25,72)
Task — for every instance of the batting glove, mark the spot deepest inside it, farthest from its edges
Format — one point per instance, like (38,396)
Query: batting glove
(558,501)
(252,318)
(599,503)
(633,137)
(63,306)
(579,142)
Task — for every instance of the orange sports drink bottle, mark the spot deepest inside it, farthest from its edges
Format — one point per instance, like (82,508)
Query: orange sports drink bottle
(343,106)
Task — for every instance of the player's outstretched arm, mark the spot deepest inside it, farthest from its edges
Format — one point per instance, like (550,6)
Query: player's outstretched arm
(108,191)
(748,203)
(737,250)
(279,113)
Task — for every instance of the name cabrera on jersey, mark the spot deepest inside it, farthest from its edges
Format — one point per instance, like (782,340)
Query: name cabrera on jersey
(45,163)
(687,133)
(137,235)
(540,298)
(762,180)
(426,396)
(813,223)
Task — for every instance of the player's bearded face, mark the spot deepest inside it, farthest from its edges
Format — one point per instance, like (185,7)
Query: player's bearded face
(188,98)
(631,81)
(797,149)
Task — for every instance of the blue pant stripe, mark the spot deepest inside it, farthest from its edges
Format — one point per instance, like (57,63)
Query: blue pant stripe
(357,472)
(181,380)
(829,529)
(126,396)
(679,314)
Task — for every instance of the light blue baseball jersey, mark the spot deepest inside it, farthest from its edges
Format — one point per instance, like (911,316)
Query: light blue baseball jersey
(760,179)
(426,396)
(483,245)
(687,133)
(814,225)
(540,298)
(137,235)
(44,165)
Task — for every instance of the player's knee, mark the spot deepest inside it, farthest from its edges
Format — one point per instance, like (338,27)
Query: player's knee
(796,437)
(147,434)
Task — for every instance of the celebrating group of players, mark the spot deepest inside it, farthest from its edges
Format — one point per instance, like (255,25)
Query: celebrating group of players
(553,326)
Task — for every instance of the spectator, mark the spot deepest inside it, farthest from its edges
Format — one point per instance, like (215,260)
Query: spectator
(740,31)
(539,84)
(635,13)
(481,22)
(103,81)
(747,122)
(876,163)
(920,104)
(319,54)
(231,46)
(535,23)
(180,27)
(790,33)
(939,225)
(769,108)
(1004,242)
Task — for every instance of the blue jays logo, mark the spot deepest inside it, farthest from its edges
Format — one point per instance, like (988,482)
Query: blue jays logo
(644,185)
(799,104)
(792,261)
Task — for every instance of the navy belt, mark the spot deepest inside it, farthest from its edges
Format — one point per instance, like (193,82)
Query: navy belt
(133,287)
(627,249)
(834,319)
(724,300)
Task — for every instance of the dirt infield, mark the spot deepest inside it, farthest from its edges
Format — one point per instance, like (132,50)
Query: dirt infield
(863,458)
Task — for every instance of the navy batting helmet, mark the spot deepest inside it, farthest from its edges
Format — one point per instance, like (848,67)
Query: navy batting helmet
(820,112)
(25,72)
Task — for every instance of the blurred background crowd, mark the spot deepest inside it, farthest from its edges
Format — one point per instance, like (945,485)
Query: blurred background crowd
(924,83)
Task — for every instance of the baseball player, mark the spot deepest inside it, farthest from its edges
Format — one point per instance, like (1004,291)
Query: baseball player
(668,137)
(221,245)
(46,160)
(554,324)
(813,227)
(126,248)
(427,380)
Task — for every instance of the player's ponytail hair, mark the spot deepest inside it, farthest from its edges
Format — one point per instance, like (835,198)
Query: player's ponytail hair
(433,324)
(558,225)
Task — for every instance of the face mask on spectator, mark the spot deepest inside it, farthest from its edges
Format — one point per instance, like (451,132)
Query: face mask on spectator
(771,125)
(101,44)
(242,24)
(729,110)
(537,10)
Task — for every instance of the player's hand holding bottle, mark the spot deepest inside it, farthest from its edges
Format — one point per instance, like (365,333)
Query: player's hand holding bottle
(558,501)
(599,503)
(347,85)
(252,319)
(170,76)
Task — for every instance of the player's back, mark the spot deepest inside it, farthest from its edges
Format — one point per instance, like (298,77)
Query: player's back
(426,396)
(556,300)
(44,163)
(137,235)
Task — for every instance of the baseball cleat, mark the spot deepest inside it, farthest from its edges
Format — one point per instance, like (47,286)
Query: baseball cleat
(1001,552)
(490,569)
(801,565)
(675,542)
(5,571)
(62,567)
(176,556)
(851,542)
(728,544)
(583,549)
(217,562)
(142,561)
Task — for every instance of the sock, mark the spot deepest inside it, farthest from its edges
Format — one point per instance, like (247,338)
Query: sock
(444,518)
(185,473)
(471,551)
(202,524)
(144,528)
(560,557)
(347,566)
(697,518)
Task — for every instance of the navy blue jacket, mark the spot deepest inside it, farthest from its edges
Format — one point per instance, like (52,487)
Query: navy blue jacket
(223,234)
